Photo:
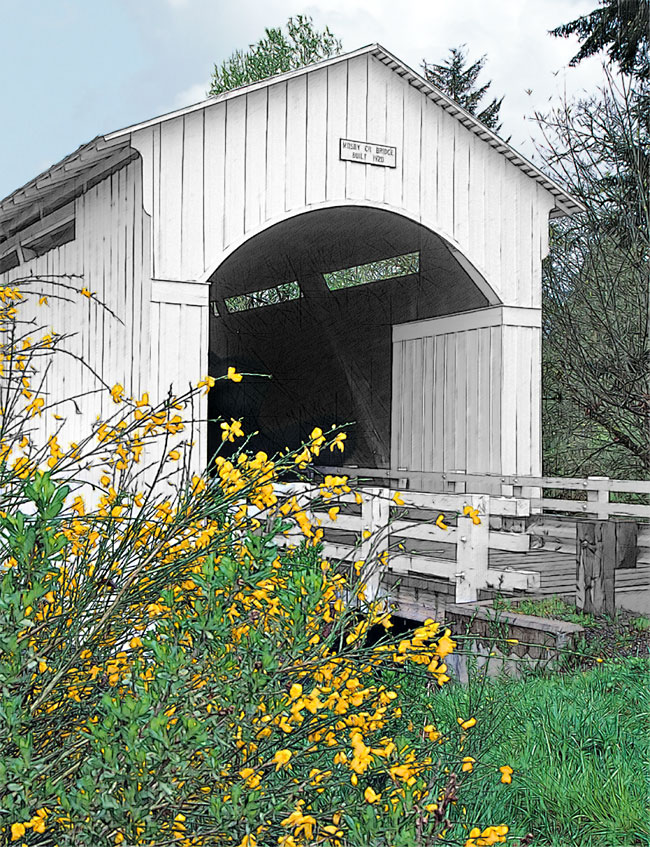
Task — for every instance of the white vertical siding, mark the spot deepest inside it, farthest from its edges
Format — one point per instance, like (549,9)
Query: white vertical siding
(317,152)
(275,150)
(465,394)
(110,256)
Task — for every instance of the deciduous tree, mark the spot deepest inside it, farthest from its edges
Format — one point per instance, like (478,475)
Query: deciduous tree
(596,287)
(278,51)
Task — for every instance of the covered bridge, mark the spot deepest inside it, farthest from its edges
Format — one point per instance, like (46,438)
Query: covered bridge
(345,228)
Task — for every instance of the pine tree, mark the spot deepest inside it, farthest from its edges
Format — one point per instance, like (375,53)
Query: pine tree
(621,26)
(459,82)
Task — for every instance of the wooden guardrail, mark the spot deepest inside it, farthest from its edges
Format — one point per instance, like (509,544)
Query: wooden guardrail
(596,489)
(381,530)
(560,524)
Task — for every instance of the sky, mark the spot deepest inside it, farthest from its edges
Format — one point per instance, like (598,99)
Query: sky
(74,69)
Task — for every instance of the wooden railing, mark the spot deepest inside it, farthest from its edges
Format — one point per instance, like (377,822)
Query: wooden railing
(381,531)
(596,489)
(534,519)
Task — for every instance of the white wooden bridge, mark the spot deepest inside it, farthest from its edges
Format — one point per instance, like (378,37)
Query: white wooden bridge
(350,231)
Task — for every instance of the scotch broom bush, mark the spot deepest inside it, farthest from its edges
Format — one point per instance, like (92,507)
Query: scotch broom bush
(172,670)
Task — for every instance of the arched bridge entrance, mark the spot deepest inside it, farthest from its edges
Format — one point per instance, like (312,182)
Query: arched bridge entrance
(311,304)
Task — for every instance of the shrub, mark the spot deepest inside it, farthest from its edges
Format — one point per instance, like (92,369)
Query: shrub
(173,671)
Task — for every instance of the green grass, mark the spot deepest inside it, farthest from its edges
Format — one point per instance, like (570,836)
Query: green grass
(578,744)
(546,607)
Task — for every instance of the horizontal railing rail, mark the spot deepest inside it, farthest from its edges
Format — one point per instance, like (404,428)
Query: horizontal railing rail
(384,526)
(596,490)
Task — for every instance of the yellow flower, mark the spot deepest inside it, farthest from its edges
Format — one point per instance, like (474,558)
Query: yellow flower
(248,840)
(473,514)
(42,301)
(37,824)
(233,375)
(338,442)
(333,512)
(135,642)
(231,430)
(446,645)
(371,796)
(302,458)
(295,691)
(17,831)
(117,393)
(281,758)
(207,382)
(317,440)
(87,293)
(468,764)
(506,774)
(174,455)
(78,505)
(35,406)
(251,778)
(468,724)
(397,497)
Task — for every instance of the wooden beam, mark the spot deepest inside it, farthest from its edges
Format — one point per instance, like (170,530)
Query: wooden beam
(595,557)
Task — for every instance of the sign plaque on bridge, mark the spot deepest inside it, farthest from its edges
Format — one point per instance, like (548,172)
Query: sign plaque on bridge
(368,154)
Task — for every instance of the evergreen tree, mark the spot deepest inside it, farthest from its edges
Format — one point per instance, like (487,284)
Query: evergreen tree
(277,52)
(459,82)
(621,26)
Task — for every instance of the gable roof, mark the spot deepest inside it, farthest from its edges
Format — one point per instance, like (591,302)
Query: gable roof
(90,162)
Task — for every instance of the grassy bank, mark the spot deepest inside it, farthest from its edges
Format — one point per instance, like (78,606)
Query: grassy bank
(578,744)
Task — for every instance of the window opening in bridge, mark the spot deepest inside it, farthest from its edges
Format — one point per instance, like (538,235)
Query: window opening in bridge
(9,262)
(49,240)
(391,268)
(266,297)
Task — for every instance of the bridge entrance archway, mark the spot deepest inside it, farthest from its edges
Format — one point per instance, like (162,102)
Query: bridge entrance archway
(310,304)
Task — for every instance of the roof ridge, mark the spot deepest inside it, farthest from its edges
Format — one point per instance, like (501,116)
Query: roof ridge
(566,203)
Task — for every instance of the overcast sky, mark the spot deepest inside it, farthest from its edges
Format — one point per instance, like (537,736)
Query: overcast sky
(74,69)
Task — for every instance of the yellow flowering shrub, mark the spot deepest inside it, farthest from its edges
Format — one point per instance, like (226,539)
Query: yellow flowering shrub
(173,672)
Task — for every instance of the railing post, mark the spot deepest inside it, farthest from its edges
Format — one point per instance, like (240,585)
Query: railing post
(375,517)
(627,534)
(595,557)
(598,495)
(472,550)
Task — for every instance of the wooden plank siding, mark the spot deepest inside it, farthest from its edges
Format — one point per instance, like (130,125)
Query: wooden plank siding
(470,380)
(110,256)
(283,139)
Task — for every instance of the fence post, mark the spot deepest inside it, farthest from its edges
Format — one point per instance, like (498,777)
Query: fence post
(375,516)
(627,533)
(598,495)
(595,558)
(472,550)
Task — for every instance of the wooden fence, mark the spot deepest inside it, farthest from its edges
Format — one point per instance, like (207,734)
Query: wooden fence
(380,529)
(516,515)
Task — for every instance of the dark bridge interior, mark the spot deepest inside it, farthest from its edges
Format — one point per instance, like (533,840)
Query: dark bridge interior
(327,353)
